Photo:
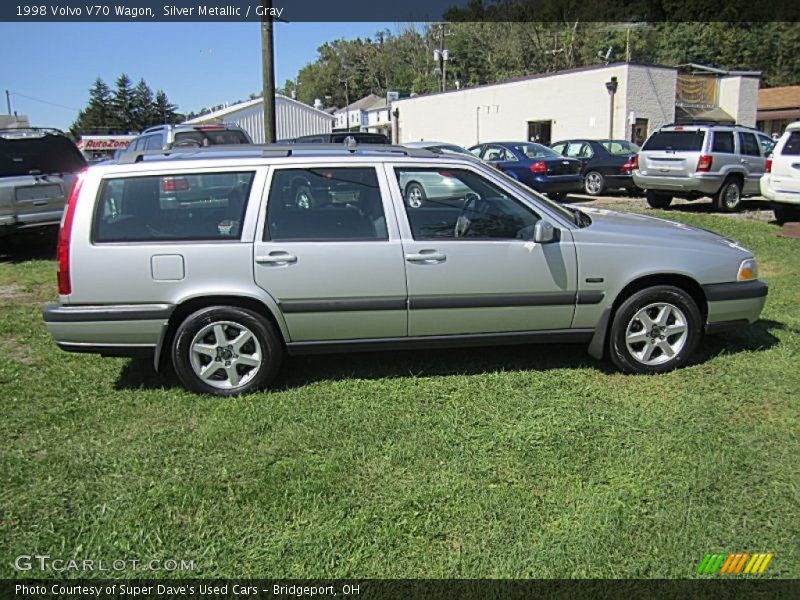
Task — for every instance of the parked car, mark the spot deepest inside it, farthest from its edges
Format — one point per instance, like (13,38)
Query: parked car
(433,187)
(691,161)
(337,137)
(781,182)
(37,168)
(165,137)
(607,164)
(223,290)
(535,165)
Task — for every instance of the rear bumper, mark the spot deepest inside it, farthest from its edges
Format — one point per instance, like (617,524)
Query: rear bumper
(616,182)
(117,330)
(557,183)
(770,191)
(703,183)
(734,305)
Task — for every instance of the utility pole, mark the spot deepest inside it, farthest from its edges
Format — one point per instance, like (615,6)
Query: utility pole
(268,72)
(442,55)
(8,102)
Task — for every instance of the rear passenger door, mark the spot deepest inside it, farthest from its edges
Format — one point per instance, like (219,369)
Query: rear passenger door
(754,163)
(328,250)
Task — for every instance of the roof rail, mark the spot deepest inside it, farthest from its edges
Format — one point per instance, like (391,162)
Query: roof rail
(28,128)
(273,151)
(154,128)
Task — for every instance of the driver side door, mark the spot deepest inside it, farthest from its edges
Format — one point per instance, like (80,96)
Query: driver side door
(471,265)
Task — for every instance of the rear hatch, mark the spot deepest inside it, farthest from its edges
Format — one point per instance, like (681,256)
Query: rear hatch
(37,169)
(672,152)
(786,166)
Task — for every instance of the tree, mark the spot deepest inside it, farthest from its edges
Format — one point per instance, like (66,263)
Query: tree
(144,109)
(123,103)
(165,111)
(97,117)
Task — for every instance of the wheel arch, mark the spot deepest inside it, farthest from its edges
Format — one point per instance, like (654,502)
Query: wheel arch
(681,281)
(195,303)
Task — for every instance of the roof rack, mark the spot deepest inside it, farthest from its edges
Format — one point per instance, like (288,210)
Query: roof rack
(28,128)
(273,151)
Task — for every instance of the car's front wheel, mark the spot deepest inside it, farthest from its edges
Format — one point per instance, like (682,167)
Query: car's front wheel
(226,351)
(655,330)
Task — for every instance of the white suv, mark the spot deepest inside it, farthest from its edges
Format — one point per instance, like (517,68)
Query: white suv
(781,182)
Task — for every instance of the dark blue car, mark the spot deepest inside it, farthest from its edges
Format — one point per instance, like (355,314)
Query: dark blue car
(535,165)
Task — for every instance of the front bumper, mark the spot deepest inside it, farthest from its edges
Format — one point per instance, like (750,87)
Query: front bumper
(703,183)
(117,330)
(734,305)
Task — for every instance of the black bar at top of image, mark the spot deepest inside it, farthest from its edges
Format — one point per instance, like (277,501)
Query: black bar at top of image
(562,11)
(406,589)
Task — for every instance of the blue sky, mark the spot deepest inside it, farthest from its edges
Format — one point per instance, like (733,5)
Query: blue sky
(197,64)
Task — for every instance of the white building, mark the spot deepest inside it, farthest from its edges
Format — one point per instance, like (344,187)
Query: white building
(578,103)
(292,118)
(354,117)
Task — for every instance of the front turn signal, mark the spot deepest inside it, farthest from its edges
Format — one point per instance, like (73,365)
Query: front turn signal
(748,270)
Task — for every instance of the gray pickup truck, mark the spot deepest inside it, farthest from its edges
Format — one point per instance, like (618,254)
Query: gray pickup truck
(37,169)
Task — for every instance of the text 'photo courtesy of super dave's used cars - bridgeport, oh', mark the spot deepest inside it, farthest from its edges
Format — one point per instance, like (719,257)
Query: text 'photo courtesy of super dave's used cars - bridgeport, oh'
(220,261)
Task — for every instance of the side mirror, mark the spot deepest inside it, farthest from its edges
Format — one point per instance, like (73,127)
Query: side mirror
(545,233)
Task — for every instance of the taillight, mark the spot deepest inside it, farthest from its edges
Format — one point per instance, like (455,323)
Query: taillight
(768,165)
(64,235)
(630,165)
(539,167)
(174,184)
(704,162)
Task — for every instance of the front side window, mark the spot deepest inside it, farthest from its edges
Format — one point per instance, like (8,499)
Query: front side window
(165,208)
(325,204)
(460,204)
(748,144)
(723,142)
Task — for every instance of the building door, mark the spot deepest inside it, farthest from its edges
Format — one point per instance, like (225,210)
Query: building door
(539,132)
(639,134)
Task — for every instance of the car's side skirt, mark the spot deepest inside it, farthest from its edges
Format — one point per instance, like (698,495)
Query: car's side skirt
(442,341)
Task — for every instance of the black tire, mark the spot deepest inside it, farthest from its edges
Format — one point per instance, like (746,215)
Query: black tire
(271,350)
(594,183)
(557,196)
(415,195)
(634,191)
(618,349)
(655,200)
(785,213)
(729,197)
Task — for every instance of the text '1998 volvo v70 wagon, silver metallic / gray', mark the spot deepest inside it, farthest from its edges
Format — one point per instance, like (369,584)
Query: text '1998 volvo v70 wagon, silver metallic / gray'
(219,261)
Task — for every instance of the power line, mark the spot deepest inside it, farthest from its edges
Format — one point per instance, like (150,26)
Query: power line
(43,101)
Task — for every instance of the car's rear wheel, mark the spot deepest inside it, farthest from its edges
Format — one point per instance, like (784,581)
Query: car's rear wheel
(655,330)
(785,213)
(729,196)
(656,200)
(557,196)
(226,351)
(415,195)
(594,183)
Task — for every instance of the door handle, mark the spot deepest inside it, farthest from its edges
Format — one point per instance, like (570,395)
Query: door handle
(427,256)
(276,258)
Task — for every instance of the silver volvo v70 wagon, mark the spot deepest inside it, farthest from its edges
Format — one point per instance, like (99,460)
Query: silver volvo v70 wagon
(219,261)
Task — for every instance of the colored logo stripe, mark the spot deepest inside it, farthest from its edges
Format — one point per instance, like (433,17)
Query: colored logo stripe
(734,563)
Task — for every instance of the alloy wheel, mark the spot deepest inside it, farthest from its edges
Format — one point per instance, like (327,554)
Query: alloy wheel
(225,355)
(593,183)
(657,333)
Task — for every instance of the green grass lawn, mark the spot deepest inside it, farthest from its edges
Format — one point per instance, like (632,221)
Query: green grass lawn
(516,462)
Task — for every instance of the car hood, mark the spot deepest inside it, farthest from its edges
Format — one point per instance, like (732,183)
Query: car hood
(654,230)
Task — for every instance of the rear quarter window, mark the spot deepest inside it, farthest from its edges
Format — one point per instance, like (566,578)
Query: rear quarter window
(180,207)
(675,141)
(792,145)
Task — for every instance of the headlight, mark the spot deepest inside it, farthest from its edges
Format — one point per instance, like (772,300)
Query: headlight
(748,270)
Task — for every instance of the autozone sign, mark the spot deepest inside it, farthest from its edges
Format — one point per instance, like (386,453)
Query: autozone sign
(104,143)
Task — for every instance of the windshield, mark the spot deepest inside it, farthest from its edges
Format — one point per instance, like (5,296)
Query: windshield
(561,211)
(620,147)
(676,141)
(210,137)
(45,155)
(535,151)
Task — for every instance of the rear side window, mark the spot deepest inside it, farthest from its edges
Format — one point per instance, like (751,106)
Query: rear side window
(792,145)
(325,204)
(749,144)
(165,208)
(676,141)
(723,142)
(153,142)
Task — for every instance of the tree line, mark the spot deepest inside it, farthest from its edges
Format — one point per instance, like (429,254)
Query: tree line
(125,109)
(488,52)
